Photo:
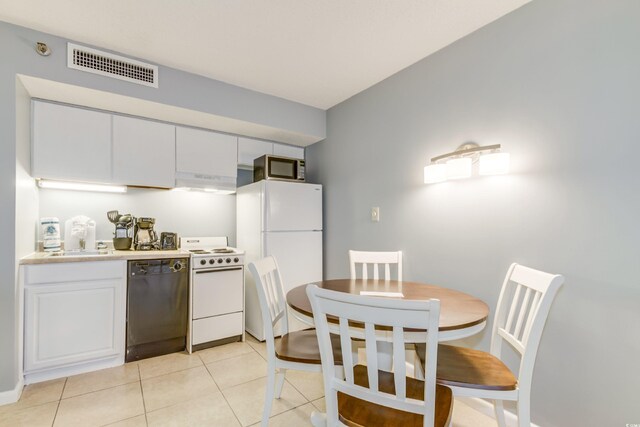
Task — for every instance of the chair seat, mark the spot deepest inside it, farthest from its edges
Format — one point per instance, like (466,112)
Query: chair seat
(302,347)
(356,412)
(469,368)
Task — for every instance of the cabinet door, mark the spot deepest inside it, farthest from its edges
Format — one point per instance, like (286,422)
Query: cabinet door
(249,149)
(74,322)
(70,143)
(207,153)
(288,151)
(143,152)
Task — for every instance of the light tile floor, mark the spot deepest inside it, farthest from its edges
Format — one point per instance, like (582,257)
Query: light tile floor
(221,386)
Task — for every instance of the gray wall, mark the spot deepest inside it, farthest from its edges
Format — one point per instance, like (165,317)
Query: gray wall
(18,196)
(557,83)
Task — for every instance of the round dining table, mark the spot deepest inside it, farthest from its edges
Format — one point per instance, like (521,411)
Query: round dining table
(461,315)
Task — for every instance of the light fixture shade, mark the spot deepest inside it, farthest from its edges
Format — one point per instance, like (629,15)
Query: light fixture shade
(435,173)
(81,186)
(458,168)
(494,164)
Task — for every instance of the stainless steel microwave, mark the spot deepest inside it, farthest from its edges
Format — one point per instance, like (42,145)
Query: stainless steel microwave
(276,167)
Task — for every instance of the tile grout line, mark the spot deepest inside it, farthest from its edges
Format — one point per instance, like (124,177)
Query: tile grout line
(222,394)
(246,382)
(59,402)
(144,406)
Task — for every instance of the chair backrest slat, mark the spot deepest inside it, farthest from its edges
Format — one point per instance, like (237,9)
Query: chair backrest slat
(535,304)
(399,366)
(372,312)
(522,310)
(512,308)
(270,292)
(345,342)
(372,354)
(375,260)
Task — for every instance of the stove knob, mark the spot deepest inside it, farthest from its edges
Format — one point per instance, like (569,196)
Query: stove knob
(228,260)
(219,260)
(212,261)
(236,259)
(203,261)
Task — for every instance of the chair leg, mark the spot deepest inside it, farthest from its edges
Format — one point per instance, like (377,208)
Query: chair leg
(498,408)
(280,382)
(318,419)
(524,412)
(269,394)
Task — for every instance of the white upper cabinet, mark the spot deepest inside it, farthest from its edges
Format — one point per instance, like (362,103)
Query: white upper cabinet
(70,143)
(143,152)
(250,149)
(288,151)
(206,153)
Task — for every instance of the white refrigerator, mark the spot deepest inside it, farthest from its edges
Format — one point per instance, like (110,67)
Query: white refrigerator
(283,219)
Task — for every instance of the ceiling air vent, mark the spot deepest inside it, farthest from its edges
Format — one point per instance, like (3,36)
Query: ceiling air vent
(110,65)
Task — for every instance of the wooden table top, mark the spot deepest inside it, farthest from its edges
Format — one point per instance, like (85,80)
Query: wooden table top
(457,309)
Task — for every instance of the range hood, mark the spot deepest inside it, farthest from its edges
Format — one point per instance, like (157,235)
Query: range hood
(206,182)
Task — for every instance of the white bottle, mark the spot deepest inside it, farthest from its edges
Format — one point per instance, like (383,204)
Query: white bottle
(90,239)
(50,227)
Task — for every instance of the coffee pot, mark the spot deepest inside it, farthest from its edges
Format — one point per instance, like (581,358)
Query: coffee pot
(122,238)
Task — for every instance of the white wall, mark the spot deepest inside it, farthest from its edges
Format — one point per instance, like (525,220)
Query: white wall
(186,213)
(557,83)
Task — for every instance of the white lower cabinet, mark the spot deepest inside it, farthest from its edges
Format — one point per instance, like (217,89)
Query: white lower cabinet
(74,318)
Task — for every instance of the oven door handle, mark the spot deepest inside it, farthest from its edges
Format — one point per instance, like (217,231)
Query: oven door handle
(216,270)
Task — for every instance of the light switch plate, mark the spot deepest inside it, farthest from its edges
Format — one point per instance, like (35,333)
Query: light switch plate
(375,214)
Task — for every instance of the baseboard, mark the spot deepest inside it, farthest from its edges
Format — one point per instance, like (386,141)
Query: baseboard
(12,396)
(486,408)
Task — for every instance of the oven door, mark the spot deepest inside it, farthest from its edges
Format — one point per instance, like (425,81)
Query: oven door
(217,291)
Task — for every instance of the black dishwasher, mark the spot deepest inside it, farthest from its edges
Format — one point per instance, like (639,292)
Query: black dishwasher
(157,307)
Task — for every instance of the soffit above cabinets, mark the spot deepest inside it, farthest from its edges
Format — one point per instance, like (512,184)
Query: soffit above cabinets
(107,101)
(317,53)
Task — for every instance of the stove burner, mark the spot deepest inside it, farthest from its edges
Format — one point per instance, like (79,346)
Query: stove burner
(198,251)
(223,251)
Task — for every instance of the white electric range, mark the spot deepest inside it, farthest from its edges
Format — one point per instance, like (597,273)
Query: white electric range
(216,297)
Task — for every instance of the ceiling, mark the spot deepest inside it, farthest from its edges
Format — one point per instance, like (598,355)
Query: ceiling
(318,53)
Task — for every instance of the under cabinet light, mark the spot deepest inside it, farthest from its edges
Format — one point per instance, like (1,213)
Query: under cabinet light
(81,186)
(221,192)
(459,164)
(206,190)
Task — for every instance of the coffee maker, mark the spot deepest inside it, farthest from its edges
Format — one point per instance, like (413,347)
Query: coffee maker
(144,236)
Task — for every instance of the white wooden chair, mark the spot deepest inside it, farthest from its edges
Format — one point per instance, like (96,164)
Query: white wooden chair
(376,259)
(521,313)
(296,350)
(368,396)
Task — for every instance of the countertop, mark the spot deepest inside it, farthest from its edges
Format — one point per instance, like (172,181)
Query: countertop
(103,255)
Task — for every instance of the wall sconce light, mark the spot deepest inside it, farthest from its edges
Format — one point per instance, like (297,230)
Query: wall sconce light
(458,164)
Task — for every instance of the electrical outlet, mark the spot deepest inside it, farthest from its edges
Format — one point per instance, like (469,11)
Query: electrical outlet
(375,214)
